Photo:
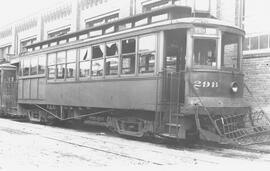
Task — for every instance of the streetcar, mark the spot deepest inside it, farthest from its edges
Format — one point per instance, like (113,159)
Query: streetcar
(167,73)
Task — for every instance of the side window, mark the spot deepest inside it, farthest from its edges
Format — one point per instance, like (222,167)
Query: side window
(21,67)
(97,61)
(254,43)
(128,56)
(41,64)
(147,53)
(60,65)
(26,66)
(84,62)
(71,63)
(51,66)
(33,64)
(111,60)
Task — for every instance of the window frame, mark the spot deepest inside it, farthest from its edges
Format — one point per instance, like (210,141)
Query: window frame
(89,49)
(155,51)
(62,64)
(71,62)
(127,54)
(216,39)
(53,65)
(222,56)
(118,42)
(96,59)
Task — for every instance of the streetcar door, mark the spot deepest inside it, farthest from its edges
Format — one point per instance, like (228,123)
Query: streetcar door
(174,64)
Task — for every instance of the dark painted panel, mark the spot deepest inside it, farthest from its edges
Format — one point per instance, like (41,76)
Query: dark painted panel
(41,88)
(34,88)
(127,94)
(215,84)
(20,89)
(26,89)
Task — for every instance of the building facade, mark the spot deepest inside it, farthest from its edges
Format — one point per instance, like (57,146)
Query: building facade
(256,67)
(73,16)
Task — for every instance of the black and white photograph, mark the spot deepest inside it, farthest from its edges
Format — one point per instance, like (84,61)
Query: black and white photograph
(134,85)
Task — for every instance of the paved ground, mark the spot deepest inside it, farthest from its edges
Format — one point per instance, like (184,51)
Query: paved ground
(34,146)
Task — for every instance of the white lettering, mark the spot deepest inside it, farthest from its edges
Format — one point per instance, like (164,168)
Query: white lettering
(205,84)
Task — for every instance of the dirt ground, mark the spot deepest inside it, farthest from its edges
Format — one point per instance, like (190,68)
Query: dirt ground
(33,146)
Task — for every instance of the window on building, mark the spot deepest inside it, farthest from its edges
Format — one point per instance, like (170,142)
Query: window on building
(103,20)
(41,64)
(71,63)
(60,65)
(246,43)
(84,62)
(97,62)
(147,53)
(33,65)
(230,50)
(263,41)
(25,43)
(205,52)
(51,66)
(112,58)
(128,56)
(58,33)
(254,43)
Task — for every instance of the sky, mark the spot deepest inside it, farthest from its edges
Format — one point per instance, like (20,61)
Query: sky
(257,16)
(12,10)
(257,12)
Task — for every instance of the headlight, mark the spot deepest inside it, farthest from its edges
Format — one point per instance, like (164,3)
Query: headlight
(234,87)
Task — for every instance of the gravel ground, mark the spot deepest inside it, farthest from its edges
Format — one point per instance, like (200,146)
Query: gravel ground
(34,146)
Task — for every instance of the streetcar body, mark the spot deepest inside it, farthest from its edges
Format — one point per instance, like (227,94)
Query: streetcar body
(8,89)
(162,72)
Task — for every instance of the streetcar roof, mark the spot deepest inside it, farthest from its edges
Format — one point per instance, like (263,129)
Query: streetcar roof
(177,15)
(6,65)
(180,11)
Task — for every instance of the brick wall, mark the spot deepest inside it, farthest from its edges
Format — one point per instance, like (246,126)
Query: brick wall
(257,77)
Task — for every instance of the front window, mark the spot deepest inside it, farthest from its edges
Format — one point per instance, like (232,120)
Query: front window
(230,50)
(205,52)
